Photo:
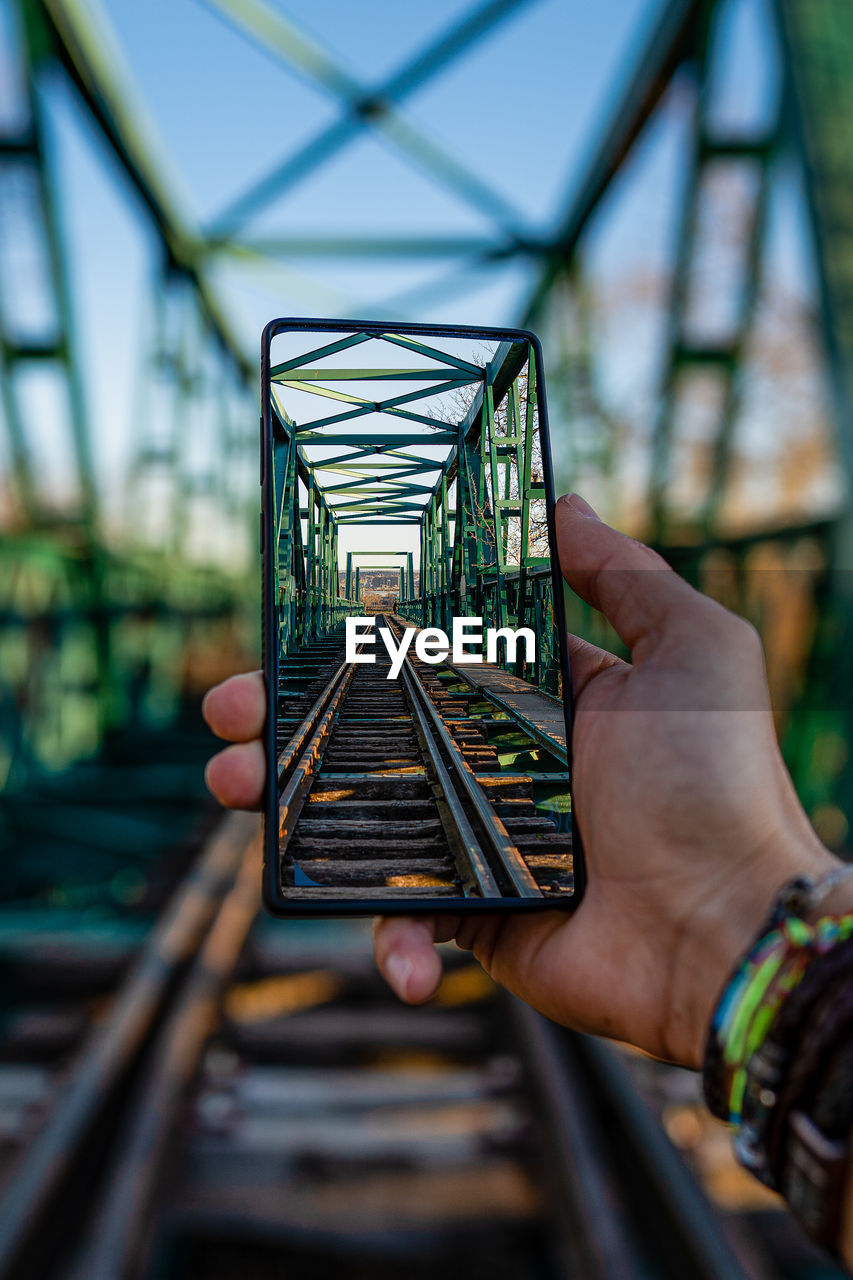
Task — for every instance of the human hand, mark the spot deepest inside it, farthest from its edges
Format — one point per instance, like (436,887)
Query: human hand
(689,819)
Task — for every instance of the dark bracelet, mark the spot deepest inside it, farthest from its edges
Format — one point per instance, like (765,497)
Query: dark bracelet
(811,1022)
(811,1123)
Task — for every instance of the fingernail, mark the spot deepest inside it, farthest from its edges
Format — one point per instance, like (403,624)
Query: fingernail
(398,970)
(580,506)
(207,777)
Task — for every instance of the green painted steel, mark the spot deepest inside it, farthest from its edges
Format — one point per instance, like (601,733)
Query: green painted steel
(480,552)
(723,358)
(366,106)
(99,632)
(93,636)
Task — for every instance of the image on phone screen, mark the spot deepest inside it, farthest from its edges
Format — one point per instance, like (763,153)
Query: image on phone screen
(414,637)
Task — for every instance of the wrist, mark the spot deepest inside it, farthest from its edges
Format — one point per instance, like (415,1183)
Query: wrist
(722,928)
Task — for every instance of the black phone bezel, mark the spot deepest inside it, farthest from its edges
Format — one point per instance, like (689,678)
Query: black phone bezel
(275,900)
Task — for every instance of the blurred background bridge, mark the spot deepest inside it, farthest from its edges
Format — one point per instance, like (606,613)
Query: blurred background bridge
(662,190)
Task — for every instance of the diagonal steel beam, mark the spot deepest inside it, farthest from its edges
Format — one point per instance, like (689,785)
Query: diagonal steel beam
(86,47)
(668,44)
(365,106)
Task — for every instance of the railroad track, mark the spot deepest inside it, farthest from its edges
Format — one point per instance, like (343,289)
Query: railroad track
(391,788)
(249,1100)
(254,1102)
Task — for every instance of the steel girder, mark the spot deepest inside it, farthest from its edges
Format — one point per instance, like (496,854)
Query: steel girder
(817,44)
(477,498)
(810,123)
(95,631)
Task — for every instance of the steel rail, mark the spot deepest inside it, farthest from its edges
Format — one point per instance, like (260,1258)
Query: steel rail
(119,1239)
(43,1172)
(285,760)
(617,1184)
(595,1239)
(621,1182)
(292,799)
(508,856)
(476,863)
(608,1214)
(694,1230)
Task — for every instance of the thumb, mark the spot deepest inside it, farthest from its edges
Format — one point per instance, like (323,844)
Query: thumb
(633,587)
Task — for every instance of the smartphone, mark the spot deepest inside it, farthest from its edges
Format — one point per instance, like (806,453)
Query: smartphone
(419,709)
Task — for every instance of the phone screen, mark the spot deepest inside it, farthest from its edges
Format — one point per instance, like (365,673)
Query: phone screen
(419,708)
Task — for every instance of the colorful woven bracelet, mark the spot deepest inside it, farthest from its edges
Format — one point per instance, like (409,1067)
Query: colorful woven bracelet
(768,985)
(765,976)
(764,979)
(773,970)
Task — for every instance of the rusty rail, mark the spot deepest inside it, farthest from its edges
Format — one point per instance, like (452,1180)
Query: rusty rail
(46,1167)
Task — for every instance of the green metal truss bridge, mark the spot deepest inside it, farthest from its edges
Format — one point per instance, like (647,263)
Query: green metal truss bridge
(469,480)
(112,616)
